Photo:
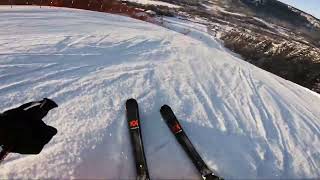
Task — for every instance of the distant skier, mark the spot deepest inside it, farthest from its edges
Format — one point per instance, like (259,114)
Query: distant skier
(22,129)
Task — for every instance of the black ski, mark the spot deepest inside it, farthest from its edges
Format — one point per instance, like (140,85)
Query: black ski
(175,127)
(136,139)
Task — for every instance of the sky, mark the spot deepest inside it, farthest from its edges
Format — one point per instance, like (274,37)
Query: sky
(310,6)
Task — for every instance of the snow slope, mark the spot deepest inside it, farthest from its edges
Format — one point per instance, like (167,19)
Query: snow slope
(245,122)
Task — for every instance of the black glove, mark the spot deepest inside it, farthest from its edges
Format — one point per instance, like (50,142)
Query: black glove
(22,129)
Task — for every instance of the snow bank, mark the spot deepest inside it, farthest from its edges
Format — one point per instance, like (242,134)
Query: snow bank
(155,3)
(245,122)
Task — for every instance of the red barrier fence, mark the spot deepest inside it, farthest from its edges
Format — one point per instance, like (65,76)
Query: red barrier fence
(109,6)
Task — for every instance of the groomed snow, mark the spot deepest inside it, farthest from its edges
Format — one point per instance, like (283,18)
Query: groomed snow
(245,122)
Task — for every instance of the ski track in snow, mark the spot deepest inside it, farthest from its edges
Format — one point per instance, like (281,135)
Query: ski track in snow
(245,122)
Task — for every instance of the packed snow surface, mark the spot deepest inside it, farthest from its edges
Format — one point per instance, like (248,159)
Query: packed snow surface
(245,122)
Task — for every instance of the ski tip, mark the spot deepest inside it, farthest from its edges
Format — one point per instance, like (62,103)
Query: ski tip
(131,100)
(167,113)
(165,108)
(131,103)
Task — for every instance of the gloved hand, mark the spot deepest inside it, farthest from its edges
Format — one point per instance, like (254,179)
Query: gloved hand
(22,129)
